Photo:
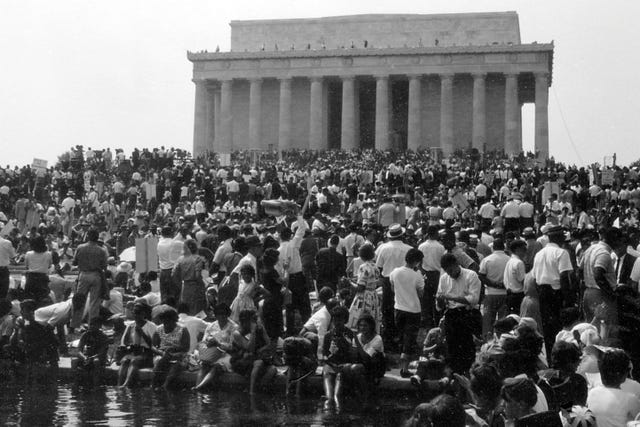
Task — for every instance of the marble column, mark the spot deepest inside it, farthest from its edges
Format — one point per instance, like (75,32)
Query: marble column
(315,115)
(226,117)
(542,116)
(414,125)
(255,113)
(216,118)
(348,131)
(446,114)
(479,138)
(211,129)
(382,113)
(284,119)
(511,114)
(200,122)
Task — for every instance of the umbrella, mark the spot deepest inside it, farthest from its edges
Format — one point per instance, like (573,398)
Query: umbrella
(128,255)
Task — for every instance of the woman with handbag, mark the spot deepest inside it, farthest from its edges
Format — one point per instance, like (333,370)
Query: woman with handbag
(170,346)
(215,347)
(136,345)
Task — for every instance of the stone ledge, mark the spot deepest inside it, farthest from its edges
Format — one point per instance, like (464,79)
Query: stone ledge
(390,383)
(347,52)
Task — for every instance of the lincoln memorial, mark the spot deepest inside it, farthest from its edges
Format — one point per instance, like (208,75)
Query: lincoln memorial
(417,82)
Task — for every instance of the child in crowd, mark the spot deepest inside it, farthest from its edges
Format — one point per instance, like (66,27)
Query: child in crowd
(337,352)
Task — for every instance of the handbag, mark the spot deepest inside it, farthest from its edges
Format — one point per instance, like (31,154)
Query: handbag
(209,354)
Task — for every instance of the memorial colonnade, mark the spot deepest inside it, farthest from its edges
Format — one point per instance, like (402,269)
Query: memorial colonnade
(517,77)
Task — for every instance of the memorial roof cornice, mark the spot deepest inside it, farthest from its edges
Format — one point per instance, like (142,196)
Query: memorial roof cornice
(351,52)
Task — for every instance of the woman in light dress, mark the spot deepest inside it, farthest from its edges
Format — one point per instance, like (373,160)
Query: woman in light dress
(366,299)
(215,347)
(248,290)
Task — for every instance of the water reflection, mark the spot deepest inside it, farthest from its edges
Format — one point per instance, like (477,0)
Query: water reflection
(34,403)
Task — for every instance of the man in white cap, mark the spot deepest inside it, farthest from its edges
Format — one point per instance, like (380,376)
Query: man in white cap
(389,256)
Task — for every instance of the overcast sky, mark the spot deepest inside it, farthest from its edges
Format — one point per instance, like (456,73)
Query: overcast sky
(114,73)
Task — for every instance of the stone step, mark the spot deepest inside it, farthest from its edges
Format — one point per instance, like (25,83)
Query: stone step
(391,383)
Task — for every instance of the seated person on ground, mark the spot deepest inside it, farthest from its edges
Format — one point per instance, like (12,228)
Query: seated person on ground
(214,351)
(337,353)
(136,345)
(33,343)
(253,351)
(170,346)
(92,350)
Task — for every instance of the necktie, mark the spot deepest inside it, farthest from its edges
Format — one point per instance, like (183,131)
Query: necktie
(618,262)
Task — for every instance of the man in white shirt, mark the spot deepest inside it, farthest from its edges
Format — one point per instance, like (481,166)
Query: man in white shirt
(408,285)
(551,270)
(486,213)
(511,214)
(458,293)
(389,256)
(491,274)
(289,250)
(194,325)
(7,253)
(611,405)
(432,250)
(514,273)
(169,250)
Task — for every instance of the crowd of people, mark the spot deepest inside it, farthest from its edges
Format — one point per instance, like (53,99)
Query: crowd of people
(507,287)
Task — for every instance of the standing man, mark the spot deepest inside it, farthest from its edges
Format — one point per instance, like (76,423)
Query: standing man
(511,214)
(91,259)
(332,265)
(290,258)
(486,213)
(514,274)
(600,279)
(389,256)
(491,275)
(168,254)
(7,253)
(551,270)
(432,250)
(458,293)
(526,212)
(408,285)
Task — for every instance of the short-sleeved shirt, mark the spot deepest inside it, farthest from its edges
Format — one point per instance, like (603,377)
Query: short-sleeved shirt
(493,267)
(406,284)
(514,273)
(391,255)
(372,347)
(598,256)
(611,406)
(91,257)
(467,285)
(549,263)
(433,251)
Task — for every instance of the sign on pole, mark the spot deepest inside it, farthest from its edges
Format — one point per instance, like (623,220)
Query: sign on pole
(607,177)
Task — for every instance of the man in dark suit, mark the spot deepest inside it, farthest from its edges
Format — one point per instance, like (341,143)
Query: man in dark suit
(628,305)
(331,264)
(624,266)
